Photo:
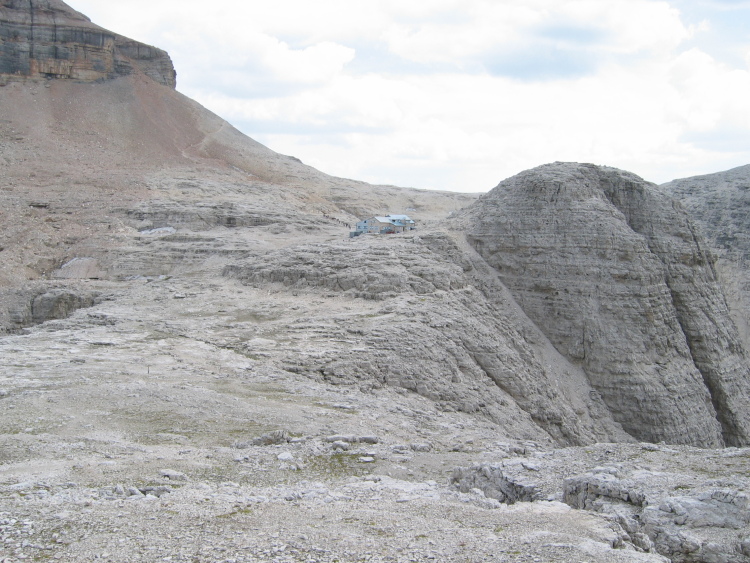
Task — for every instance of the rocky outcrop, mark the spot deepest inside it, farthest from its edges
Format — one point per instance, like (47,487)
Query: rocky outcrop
(492,480)
(427,317)
(36,305)
(615,274)
(708,523)
(685,503)
(48,39)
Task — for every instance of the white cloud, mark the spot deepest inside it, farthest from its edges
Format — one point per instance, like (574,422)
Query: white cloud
(318,63)
(458,94)
(615,26)
(709,94)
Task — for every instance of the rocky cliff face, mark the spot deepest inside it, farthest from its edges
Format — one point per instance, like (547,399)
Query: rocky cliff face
(616,276)
(48,39)
(720,204)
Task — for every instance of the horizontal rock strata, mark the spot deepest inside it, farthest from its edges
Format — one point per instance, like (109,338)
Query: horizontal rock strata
(428,321)
(37,304)
(720,205)
(617,277)
(48,39)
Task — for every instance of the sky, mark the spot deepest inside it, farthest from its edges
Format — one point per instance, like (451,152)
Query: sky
(461,94)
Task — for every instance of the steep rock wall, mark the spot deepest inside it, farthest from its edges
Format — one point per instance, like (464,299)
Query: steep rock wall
(48,39)
(616,276)
(720,205)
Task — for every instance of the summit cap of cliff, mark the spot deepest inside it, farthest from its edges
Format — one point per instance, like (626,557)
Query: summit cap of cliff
(48,39)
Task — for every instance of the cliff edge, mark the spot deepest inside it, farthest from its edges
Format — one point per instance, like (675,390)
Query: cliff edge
(48,39)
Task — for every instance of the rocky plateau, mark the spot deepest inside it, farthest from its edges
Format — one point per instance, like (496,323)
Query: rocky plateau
(199,364)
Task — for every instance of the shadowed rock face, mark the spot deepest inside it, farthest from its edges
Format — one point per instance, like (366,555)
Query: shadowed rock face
(616,276)
(47,39)
(720,204)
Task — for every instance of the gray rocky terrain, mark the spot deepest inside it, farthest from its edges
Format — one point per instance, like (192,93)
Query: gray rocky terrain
(720,204)
(199,364)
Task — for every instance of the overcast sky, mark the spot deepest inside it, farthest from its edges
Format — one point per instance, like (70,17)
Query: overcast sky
(460,94)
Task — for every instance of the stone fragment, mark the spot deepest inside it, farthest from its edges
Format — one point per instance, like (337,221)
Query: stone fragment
(272,438)
(493,483)
(173,475)
(80,268)
(53,304)
(155,490)
(134,492)
(342,438)
(369,439)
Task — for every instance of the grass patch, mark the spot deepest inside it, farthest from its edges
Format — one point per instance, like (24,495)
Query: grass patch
(236,512)
(337,465)
(160,427)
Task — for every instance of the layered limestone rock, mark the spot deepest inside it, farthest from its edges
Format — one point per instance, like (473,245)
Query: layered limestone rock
(616,276)
(48,39)
(39,303)
(720,204)
(428,316)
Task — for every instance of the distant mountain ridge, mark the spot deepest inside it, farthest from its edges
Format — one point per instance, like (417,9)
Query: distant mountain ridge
(48,39)
(720,202)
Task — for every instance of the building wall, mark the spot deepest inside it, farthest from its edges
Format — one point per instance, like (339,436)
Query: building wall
(372,225)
